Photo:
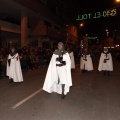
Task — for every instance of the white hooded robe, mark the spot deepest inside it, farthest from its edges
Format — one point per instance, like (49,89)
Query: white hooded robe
(72,60)
(14,70)
(51,81)
(108,66)
(86,65)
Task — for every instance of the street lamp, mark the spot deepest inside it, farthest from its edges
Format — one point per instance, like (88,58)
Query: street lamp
(118,1)
(81,25)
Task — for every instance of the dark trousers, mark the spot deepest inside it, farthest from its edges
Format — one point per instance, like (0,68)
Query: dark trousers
(63,88)
(106,73)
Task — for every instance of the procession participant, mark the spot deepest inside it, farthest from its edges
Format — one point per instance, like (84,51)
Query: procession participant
(58,78)
(71,54)
(86,62)
(105,63)
(13,67)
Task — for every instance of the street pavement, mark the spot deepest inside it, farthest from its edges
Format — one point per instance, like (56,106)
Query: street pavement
(92,97)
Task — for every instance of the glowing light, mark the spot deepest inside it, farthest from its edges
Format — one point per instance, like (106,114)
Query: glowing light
(92,38)
(109,47)
(117,0)
(106,13)
(81,25)
(117,46)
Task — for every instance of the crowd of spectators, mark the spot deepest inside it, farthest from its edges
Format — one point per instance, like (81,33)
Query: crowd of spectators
(32,58)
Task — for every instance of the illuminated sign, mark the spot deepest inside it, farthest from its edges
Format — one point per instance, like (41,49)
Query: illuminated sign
(92,37)
(107,13)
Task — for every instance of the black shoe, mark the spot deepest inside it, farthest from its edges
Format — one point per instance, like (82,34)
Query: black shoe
(11,81)
(108,73)
(83,71)
(62,96)
(104,73)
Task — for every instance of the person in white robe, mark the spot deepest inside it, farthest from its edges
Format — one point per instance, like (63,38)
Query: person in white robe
(14,71)
(72,60)
(71,54)
(58,78)
(86,62)
(105,62)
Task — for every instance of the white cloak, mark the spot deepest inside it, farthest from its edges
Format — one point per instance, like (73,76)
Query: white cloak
(72,60)
(87,64)
(51,80)
(14,70)
(108,66)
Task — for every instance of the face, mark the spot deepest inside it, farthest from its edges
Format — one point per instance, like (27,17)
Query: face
(12,50)
(60,46)
(105,49)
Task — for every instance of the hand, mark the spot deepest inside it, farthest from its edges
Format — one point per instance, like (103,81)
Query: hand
(17,58)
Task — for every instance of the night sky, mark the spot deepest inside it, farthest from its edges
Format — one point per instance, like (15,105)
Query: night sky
(95,26)
(82,6)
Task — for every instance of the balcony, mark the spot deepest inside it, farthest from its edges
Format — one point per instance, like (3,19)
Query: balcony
(10,27)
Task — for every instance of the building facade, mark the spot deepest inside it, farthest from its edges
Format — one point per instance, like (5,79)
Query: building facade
(35,22)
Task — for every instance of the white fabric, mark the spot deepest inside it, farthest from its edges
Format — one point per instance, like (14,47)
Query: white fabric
(86,65)
(105,66)
(14,70)
(72,60)
(62,74)
(51,80)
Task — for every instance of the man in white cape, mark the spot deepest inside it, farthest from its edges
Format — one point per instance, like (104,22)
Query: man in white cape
(86,62)
(58,78)
(105,63)
(14,71)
